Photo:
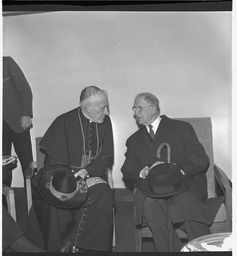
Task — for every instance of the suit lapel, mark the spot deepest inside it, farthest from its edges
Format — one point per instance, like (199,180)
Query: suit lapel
(162,128)
(143,137)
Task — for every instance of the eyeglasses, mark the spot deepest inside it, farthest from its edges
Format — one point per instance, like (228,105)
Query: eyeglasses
(139,109)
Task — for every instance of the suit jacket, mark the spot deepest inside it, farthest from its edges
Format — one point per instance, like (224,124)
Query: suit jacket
(186,151)
(17,95)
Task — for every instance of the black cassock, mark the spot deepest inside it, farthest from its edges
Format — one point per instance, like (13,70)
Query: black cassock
(73,141)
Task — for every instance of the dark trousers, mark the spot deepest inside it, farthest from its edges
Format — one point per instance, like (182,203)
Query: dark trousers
(22,146)
(158,217)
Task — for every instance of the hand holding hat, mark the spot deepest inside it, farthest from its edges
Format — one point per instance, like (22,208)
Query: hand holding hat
(164,179)
(62,189)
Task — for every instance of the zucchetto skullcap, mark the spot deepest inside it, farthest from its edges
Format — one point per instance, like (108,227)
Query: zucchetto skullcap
(88,92)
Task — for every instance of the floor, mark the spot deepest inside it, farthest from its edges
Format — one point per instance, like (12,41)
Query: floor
(125,239)
(124,221)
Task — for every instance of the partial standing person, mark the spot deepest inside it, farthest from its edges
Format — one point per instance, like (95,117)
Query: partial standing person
(187,207)
(82,141)
(17,114)
(13,237)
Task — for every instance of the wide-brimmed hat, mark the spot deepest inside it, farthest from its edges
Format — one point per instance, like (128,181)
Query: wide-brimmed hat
(60,188)
(164,180)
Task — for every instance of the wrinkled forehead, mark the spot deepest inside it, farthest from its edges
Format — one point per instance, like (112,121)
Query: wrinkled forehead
(140,100)
(103,99)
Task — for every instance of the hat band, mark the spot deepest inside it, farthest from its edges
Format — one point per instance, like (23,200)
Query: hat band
(60,195)
(166,189)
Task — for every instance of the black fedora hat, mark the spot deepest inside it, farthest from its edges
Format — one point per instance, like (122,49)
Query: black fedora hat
(164,180)
(62,189)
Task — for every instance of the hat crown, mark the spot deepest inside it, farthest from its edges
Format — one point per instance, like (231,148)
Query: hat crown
(64,182)
(164,175)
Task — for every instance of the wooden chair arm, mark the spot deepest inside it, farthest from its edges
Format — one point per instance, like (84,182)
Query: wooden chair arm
(224,185)
(222,178)
(109,178)
(29,173)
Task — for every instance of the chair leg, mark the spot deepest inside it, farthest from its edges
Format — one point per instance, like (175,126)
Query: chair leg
(28,194)
(114,231)
(138,238)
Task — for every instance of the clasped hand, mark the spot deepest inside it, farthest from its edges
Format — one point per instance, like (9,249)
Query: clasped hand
(82,173)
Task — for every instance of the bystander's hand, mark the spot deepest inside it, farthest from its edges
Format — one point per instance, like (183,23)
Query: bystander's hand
(26,122)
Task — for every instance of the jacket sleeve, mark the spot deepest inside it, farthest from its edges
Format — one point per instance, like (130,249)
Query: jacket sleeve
(22,86)
(132,166)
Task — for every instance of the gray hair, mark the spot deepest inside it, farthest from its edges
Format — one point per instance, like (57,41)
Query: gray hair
(150,98)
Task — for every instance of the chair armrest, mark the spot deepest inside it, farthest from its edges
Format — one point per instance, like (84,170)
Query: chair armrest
(109,176)
(29,173)
(10,197)
(221,178)
(224,184)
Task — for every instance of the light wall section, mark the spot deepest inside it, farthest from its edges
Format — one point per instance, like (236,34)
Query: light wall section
(182,57)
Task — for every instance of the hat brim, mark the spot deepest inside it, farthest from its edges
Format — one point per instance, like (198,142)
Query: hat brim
(144,187)
(44,191)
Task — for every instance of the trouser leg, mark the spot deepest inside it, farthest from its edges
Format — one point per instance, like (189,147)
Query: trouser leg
(159,221)
(23,148)
(195,229)
(6,139)
(6,150)
(22,145)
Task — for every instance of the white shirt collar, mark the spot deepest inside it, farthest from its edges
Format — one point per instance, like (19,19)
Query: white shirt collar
(155,124)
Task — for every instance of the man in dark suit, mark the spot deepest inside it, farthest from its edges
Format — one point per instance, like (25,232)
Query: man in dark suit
(186,209)
(17,114)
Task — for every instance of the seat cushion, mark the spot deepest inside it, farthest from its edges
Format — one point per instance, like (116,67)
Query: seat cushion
(221,214)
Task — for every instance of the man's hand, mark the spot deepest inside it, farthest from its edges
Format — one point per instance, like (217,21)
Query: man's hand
(26,122)
(83,173)
(144,172)
(67,246)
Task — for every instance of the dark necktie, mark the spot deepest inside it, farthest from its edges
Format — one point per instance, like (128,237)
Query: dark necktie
(151,132)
